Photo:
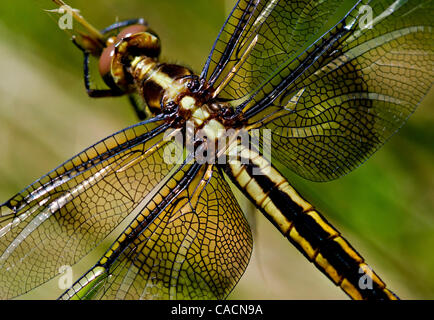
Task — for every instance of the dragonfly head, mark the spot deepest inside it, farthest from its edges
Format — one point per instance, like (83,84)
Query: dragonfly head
(115,46)
(106,57)
(120,51)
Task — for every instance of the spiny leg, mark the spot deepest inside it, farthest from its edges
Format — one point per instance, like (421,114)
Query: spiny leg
(139,110)
(123,24)
(94,93)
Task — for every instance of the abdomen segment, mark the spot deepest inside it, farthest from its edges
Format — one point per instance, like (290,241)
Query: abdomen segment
(305,227)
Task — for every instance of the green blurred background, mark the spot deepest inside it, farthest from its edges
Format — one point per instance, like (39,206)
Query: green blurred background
(384,208)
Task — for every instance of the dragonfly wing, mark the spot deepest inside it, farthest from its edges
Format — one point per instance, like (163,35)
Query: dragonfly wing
(333,101)
(191,242)
(61,217)
(347,103)
(280,31)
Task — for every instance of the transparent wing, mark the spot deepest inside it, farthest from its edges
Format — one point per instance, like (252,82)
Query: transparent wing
(191,242)
(337,103)
(261,36)
(64,215)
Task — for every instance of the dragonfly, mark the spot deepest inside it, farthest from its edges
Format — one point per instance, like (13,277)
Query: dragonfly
(322,105)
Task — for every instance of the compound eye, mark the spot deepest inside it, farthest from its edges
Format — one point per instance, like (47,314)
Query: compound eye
(129,31)
(105,60)
(106,57)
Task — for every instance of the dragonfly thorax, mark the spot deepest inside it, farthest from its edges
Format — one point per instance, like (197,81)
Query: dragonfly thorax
(129,64)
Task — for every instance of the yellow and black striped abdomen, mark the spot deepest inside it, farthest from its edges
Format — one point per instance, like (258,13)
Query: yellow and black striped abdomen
(304,227)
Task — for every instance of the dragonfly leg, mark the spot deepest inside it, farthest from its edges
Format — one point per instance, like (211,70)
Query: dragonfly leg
(97,93)
(305,228)
(123,24)
(139,110)
(94,93)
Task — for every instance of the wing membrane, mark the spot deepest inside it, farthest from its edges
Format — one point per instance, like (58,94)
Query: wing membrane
(279,29)
(191,242)
(357,88)
(64,215)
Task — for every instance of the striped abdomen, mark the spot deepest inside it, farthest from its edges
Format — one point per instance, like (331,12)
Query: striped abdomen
(304,227)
